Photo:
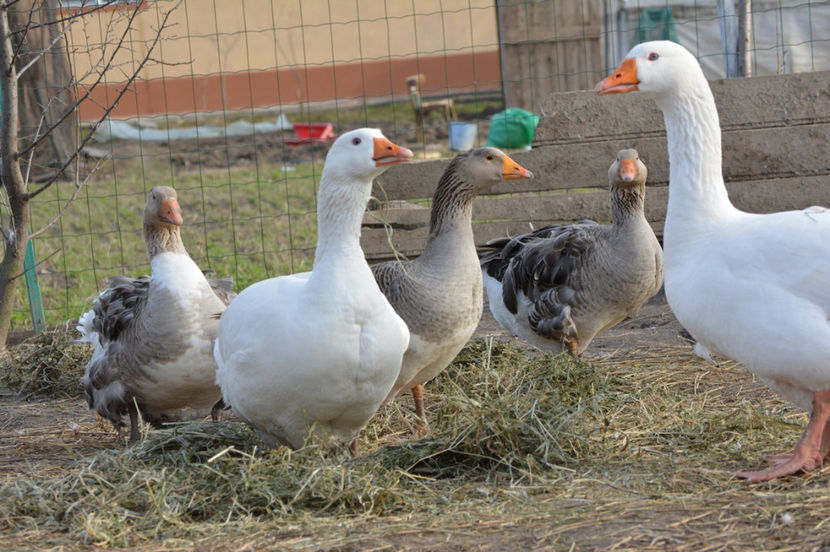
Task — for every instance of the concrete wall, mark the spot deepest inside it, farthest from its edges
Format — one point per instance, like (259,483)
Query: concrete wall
(775,135)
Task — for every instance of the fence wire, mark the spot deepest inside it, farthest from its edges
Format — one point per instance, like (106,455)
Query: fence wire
(237,101)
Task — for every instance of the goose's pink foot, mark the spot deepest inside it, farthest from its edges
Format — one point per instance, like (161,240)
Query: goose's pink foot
(808,453)
(418,396)
(778,458)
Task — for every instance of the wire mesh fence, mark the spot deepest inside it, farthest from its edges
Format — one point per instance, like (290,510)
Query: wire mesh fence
(237,102)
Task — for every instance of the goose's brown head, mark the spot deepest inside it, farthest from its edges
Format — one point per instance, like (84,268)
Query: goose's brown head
(487,166)
(627,171)
(162,208)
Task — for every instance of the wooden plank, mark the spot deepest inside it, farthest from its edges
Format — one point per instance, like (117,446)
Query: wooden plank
(547,47)
(376,244)
(496,216)
(757,102)
(749,155)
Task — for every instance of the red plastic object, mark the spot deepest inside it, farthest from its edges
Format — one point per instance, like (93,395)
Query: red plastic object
(307,133)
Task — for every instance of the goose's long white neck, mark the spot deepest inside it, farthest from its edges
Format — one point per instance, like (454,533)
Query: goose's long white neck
(340,206)
(697,194)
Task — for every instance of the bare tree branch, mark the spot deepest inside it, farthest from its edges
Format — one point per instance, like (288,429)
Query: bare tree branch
(42,52)
(78,187)
(25,29)
(37,264)
(75,14)
(109,109)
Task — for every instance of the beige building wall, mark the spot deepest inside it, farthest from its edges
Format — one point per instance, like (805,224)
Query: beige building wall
(204,38)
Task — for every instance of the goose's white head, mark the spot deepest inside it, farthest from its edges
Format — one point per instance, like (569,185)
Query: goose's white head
(364,154)
(660,68)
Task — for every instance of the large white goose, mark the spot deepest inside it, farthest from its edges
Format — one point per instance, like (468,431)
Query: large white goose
(321,348)
(439,294)
(560,286)
(153,337)
(754,288)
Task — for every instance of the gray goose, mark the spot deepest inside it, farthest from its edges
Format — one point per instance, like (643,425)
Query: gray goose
(439,294)
(152,337)
(561,285)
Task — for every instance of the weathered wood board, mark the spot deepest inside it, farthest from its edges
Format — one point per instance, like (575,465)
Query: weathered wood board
(776,156)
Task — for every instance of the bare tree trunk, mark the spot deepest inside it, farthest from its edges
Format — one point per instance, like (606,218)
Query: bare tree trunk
(46,91)
(17,235)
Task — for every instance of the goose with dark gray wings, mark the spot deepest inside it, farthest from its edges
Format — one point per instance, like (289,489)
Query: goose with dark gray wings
(152,337)
(560,286)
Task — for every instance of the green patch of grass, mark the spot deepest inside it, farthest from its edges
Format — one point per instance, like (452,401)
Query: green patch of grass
(238,222)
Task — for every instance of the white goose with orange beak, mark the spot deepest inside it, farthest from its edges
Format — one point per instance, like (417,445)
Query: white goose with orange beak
(323,348)
(754,288)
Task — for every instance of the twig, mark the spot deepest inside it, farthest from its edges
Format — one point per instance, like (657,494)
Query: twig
(76,13)
(37,264)
(26,29)
(72,198)
(42,52)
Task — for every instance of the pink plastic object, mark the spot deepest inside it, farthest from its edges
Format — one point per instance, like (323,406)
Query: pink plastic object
(307,133)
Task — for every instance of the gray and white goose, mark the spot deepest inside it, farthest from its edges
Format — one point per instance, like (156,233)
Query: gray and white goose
(152,337)
(439,294)
(561,285)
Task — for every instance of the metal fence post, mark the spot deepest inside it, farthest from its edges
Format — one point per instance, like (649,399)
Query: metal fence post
(33,289)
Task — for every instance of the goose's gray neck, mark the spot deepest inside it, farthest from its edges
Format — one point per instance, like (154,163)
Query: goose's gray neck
(627,203)
(163,239)
(450,225)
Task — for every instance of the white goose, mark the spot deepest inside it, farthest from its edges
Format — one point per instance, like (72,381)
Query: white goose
(439,294)
(321,348)
(754,288)
(561,285)
(152,337)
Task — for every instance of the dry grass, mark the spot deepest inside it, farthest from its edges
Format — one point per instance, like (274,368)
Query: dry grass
(48,365)
(526,451)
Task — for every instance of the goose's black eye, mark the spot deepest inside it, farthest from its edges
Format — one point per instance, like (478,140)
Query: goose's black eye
(653,56)
(356,141)
(489,156)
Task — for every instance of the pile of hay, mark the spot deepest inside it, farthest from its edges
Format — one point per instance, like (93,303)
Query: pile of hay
(606,453)
(47,365)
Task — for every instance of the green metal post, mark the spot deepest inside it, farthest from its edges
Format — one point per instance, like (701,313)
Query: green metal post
(33,290)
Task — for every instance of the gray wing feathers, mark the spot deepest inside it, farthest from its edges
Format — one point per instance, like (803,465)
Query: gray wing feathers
(223,288)
(544,265)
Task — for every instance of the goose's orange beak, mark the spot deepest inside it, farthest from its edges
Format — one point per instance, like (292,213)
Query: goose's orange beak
(171,212)
(622,80)
(387,153)
(628,170)
(513,171)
